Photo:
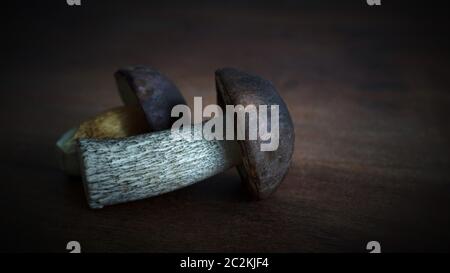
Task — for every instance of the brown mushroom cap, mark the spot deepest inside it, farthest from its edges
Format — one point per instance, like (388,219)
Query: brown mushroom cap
(149,97)
(261,171)
(152,91)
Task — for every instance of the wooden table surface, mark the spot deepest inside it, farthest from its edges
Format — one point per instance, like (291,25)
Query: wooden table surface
(367,88)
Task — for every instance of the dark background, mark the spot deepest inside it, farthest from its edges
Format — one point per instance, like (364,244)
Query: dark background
(367,88)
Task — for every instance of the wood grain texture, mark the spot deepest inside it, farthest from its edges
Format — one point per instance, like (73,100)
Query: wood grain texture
(367,89)
(121,170)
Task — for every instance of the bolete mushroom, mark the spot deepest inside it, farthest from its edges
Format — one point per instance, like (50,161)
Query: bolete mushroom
(136,167)
(148,96)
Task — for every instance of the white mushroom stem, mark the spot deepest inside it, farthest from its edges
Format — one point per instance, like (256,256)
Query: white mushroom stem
(120,170)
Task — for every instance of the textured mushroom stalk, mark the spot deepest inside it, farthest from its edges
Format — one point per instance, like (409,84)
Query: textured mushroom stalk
(120,170)
(118,122)
(149,97)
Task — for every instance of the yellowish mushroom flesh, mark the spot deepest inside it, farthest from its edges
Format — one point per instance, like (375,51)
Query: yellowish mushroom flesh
(117,122)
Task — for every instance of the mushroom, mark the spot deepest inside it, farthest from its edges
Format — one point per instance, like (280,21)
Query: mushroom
(149,98)
(137,167)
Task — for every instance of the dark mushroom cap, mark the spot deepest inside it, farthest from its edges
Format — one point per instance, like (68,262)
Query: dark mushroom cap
(156,94)
(261,171)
